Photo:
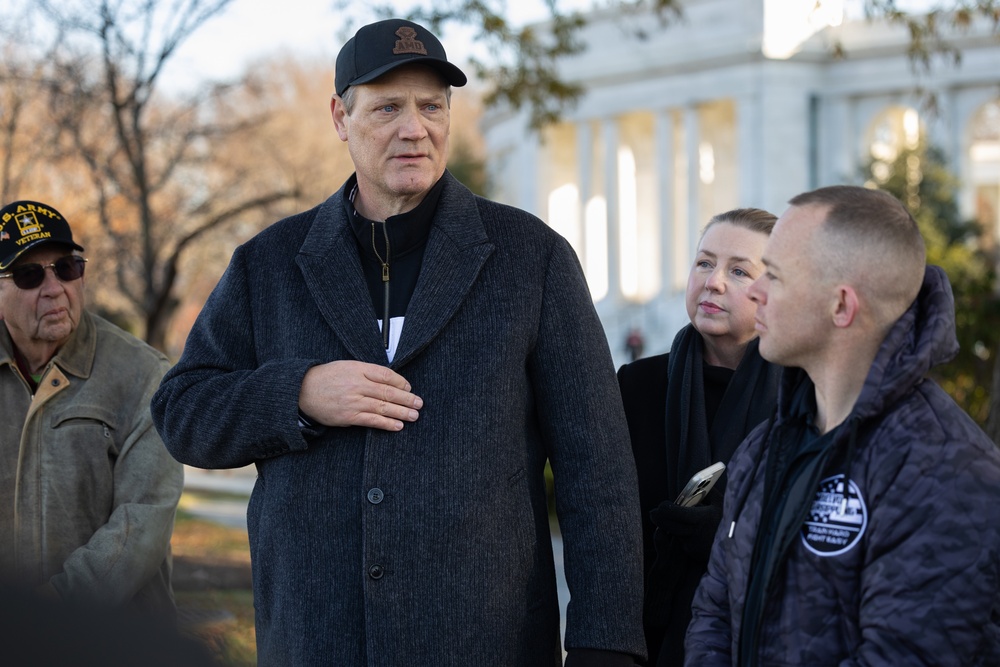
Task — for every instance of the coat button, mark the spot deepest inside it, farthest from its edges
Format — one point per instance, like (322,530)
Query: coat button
(376,571)
(375,496)
(55,383)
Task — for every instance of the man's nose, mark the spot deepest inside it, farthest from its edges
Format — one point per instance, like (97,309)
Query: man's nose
(50,280)
(412,125)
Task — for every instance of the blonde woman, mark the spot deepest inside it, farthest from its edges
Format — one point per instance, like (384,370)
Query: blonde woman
(690,408)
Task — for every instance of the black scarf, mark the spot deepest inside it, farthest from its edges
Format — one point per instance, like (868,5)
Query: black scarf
(691,444)
(749,400)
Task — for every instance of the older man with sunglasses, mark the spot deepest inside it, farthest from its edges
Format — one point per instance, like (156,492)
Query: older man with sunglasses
(87,490)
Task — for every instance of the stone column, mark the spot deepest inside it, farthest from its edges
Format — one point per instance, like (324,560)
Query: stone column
(692,137)
(750,153)
(664,141)
(609,130)
(837,162)
(528,167)
(585,178)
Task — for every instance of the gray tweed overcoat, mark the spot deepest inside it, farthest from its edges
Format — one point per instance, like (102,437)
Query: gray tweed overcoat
(431,545)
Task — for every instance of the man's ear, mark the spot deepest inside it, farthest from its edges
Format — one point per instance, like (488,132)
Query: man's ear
(846,307)
(339,114)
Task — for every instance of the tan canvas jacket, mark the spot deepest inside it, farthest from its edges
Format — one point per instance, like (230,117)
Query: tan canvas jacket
(87,490)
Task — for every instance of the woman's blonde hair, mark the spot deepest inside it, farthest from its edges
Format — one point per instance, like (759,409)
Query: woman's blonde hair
(754,219)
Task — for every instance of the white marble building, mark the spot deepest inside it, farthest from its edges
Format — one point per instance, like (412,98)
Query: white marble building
(741,103)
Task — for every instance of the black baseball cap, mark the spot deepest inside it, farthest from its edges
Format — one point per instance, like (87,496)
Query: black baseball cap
(28,224)
(385,45)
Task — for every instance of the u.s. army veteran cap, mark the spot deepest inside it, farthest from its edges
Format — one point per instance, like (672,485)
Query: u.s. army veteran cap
(382,46)
(28,224)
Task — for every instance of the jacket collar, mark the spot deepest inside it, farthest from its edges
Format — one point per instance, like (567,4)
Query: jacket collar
(457,249)
(76,357)
(406,231)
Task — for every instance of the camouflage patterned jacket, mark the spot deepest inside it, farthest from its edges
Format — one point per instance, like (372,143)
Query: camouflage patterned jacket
(903,568)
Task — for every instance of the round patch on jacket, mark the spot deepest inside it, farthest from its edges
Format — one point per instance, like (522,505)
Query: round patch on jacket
(837,520)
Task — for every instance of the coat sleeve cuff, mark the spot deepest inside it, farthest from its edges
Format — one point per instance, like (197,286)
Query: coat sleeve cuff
(310,428)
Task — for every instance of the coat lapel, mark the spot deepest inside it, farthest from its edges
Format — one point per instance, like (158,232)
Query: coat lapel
(457,249)
(332,272)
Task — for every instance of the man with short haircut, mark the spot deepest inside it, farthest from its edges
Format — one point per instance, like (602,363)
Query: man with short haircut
(399,362)
(859,524)
(87,490)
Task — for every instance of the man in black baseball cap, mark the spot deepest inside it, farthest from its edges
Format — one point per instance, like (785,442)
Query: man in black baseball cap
(381,531)
(380,47)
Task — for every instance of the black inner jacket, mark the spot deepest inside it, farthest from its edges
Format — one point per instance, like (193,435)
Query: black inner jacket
(392,252)
(797,457)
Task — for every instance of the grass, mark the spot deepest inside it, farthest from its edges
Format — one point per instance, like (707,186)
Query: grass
(232,640)
(221,618)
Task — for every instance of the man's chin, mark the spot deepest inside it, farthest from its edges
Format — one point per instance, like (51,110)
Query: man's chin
(410,181)
(56,332)
(766,351)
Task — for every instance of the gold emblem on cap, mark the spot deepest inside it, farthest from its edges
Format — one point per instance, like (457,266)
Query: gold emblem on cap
(28,223)
(408,42)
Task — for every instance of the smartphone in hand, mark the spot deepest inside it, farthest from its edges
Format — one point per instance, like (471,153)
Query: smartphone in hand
(700,484)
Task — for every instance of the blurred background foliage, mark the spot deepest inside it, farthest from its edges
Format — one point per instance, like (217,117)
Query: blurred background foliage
(917,176)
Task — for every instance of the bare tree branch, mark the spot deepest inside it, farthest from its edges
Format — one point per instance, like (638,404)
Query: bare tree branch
(147,160)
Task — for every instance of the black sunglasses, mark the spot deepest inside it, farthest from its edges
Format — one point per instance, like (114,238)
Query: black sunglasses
(30,276)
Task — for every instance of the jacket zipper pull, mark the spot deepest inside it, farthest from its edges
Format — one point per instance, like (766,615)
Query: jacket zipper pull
(385,282)
(385,313)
